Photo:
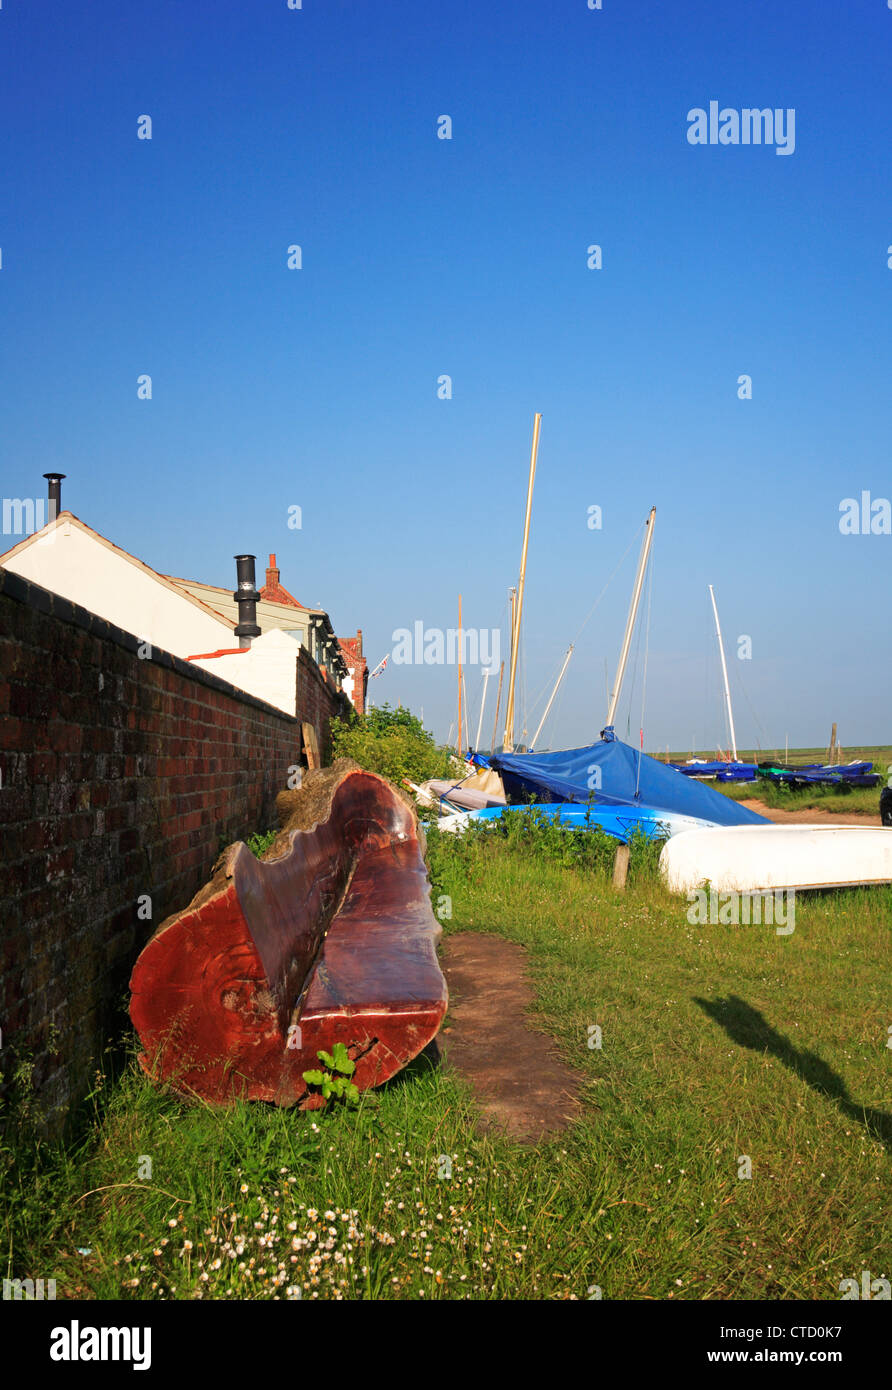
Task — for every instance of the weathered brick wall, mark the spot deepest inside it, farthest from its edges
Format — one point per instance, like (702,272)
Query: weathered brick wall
(122,779)
(318,702)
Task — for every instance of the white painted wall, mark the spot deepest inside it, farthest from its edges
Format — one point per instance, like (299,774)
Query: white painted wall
(268,669)
(71,562)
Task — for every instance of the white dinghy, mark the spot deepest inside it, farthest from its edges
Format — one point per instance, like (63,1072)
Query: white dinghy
(759,858)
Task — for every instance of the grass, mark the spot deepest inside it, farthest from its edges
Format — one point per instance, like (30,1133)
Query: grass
(719,1044)
(837,801)
(776,796)
(879,754)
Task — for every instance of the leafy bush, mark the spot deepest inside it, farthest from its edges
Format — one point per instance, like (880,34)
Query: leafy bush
(260,842)
(392,742)
(540,836)
(335,1079)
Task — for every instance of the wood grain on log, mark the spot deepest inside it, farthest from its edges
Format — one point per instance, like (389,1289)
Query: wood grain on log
(330,938)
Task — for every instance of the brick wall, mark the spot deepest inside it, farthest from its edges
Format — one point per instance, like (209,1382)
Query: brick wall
(122,778)
(351,649)
(318,700)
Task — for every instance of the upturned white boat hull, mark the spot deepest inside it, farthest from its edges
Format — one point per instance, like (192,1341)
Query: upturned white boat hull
(759,858)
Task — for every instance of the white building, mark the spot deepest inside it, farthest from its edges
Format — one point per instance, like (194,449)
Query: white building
(190,620)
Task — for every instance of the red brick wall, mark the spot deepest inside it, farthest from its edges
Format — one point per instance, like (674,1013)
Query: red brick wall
(121,777)
(351,650)
(318,701)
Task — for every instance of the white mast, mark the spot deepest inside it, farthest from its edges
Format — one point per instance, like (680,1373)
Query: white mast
(532,748)
(464,688)
(486,675)
(633,612)
(508,746)
(718,633)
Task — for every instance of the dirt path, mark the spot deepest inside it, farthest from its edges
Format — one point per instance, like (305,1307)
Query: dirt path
(522,1086)
(813,816)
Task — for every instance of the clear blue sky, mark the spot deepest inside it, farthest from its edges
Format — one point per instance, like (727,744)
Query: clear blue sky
(421,256)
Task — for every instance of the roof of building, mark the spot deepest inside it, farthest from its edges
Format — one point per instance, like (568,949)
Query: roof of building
(349,645)
(273,591)
(69,517)
(223,613)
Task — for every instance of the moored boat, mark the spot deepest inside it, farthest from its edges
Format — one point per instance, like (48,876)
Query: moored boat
(763,858)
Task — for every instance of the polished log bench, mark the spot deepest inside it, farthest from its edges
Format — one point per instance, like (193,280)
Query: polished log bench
(330,938)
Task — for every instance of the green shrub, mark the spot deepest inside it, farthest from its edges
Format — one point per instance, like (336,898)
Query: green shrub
(260,842)
(392,742)
(539,836)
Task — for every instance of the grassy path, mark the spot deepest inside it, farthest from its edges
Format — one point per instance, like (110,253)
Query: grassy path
(724,1050)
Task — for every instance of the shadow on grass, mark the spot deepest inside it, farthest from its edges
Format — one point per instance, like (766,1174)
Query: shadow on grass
(428,1060)
(747,1027)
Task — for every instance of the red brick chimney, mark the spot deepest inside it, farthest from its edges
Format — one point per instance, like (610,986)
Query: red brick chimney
(272,590)
(351,650)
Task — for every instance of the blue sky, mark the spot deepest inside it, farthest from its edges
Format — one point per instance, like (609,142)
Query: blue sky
(467,257)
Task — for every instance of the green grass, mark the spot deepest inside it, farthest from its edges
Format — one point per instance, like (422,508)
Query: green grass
(838,801)
(775,795)
(879,754)
(717,1043)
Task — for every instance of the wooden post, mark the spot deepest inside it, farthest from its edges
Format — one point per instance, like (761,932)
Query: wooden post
(311,745)
(832,744)
(621,866)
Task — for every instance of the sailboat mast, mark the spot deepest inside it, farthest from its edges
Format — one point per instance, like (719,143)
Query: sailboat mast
(459,677)
(551,701)
(518,612)
(633,613)
(486,675)
(512,599)
(718,633)
(467,711)
(495,722)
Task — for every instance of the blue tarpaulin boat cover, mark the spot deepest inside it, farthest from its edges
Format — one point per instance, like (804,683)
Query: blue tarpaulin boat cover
(722,771)
(611,773)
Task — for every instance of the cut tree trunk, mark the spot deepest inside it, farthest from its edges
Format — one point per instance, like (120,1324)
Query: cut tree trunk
(330,938)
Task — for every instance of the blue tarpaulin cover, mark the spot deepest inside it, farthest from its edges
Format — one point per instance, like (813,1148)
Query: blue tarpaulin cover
(611,773)
(723,771)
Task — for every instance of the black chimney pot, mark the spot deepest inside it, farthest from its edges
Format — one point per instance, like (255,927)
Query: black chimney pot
(246,597)
(54,493)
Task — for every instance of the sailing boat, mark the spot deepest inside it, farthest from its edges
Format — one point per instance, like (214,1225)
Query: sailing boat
(608,784)
(725,769)
(482,787)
